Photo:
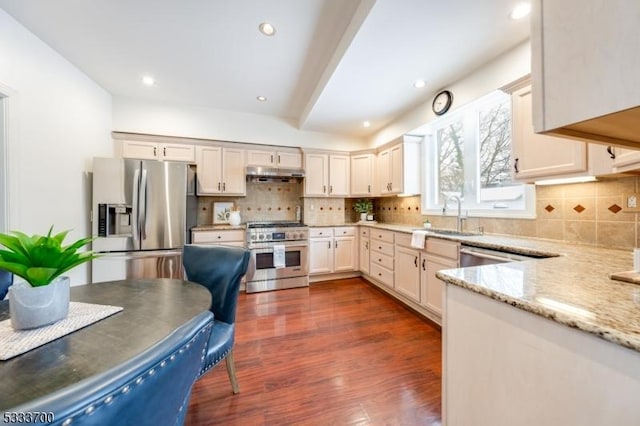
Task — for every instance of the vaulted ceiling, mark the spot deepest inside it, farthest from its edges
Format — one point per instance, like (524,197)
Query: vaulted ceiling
(331,65)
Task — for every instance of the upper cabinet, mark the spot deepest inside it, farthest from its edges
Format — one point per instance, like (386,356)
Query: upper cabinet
(326,174)
(363,175)
(220,171)
(398,168)
(158,151)
(537,156)
(585,70)
(269,158)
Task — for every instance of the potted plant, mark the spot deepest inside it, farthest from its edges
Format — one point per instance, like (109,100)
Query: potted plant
(363,206)
(43,298)
(427,223)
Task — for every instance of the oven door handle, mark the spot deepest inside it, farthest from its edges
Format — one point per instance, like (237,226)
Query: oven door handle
(270,248)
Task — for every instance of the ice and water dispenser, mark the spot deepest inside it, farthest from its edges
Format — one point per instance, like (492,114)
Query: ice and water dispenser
(114,220)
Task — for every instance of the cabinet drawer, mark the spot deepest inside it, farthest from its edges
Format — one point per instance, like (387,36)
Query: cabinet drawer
(384,248)
(382,260)
(382,235)
(198,237)
(448,249)
(382,274)
(365,232)
(403,239)
(344,231)
(320,232)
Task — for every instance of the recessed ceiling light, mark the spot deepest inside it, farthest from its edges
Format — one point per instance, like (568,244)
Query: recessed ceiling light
(366,124)
(147,80)
(267,29)
(520,11)
(419,84)
(261,98)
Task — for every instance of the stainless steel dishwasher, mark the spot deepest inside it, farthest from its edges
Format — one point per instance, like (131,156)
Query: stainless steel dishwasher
(476,256)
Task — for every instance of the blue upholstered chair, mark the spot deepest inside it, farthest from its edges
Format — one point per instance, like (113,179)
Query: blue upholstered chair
(6,279)
(152,388)
(219,269)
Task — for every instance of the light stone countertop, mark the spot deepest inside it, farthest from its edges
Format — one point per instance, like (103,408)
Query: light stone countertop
(573,288)
(220,227)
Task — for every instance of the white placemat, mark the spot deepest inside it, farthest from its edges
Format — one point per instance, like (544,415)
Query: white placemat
(13,343)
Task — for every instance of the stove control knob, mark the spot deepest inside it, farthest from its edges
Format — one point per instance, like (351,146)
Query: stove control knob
(253,237)
(261,236)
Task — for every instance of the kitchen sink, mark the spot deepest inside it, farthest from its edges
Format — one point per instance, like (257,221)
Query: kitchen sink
(451,232)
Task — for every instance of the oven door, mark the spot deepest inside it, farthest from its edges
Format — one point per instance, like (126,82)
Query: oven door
(262,266)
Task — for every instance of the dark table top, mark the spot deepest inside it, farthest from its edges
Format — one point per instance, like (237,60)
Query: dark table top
(153,308)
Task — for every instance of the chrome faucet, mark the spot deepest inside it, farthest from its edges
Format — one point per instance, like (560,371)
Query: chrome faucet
(459,217)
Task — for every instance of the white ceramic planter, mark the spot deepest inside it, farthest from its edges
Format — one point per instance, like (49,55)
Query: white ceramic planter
(363,217)
(33,307)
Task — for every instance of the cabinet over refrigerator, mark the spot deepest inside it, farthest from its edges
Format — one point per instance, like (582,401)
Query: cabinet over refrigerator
(141,213)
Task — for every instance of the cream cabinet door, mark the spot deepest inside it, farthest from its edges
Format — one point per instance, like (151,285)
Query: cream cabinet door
(289,160)
(141,150)
(339,176)
(362,175)
(384,169)
(260,158)
(536,155)
(177,152)
(397,169)
(233,166)
(316,181)
(364,253)
(626,157)
(344,254)
(209,170)
(320,255)
(407,272)
(433,287)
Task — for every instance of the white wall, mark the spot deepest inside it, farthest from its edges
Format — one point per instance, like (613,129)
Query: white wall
(59,120)
(501,71)
(138,116)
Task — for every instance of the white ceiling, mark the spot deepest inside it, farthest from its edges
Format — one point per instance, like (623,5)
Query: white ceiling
(331,65)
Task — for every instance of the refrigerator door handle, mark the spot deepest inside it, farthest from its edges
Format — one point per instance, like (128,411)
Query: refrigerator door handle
(134,210)
(143,205)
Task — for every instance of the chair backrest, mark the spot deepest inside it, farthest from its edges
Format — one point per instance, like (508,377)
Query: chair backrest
(6,279)
(219,269)
(152,388)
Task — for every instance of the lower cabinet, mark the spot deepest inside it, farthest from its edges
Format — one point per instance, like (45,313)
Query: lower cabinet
(332,250)
(382,251)
(431,286)
(364,254)
(407,272)
(226,237)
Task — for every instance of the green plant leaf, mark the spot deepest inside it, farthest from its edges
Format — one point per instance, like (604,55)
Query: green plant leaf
(40,276)
(15,268)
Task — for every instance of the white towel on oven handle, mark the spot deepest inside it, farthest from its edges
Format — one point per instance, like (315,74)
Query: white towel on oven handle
(278,256)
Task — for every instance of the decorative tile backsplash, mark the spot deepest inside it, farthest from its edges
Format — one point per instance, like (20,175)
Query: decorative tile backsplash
(264,201)
(589,213)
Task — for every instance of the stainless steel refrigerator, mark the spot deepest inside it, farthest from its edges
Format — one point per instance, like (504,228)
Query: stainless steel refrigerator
(142,211)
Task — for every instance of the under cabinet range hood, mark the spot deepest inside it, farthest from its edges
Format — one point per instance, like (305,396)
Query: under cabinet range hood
(270,174)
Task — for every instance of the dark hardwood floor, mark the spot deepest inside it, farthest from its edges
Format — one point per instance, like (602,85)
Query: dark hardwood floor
(337,353)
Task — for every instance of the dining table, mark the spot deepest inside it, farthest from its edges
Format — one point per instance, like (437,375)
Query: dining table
(152,310)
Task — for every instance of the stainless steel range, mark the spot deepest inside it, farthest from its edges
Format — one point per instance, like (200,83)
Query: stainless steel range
(279,256)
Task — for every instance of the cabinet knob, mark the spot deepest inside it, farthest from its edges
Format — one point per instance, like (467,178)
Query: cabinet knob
(155,151)
(415,261)
(423,267)
(219,236)
(515,165)
(164,151)
(611,153)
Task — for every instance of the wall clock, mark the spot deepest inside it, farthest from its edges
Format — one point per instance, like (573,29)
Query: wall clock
(442,102)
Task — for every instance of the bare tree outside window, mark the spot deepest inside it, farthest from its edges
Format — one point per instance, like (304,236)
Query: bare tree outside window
(495,145)
(451,158)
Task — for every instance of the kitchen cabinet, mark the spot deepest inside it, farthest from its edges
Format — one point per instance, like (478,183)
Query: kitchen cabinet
(220,170)
(332,250)
(626,159)
(398,168)
(227,237)
(364,250)
(363,175)
(439,254)
(270,158)
(407,271)
(382,251)
(584,70)
(326,174)
(158,151)
(537,155)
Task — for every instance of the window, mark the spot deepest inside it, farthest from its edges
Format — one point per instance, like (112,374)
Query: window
(468,156)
